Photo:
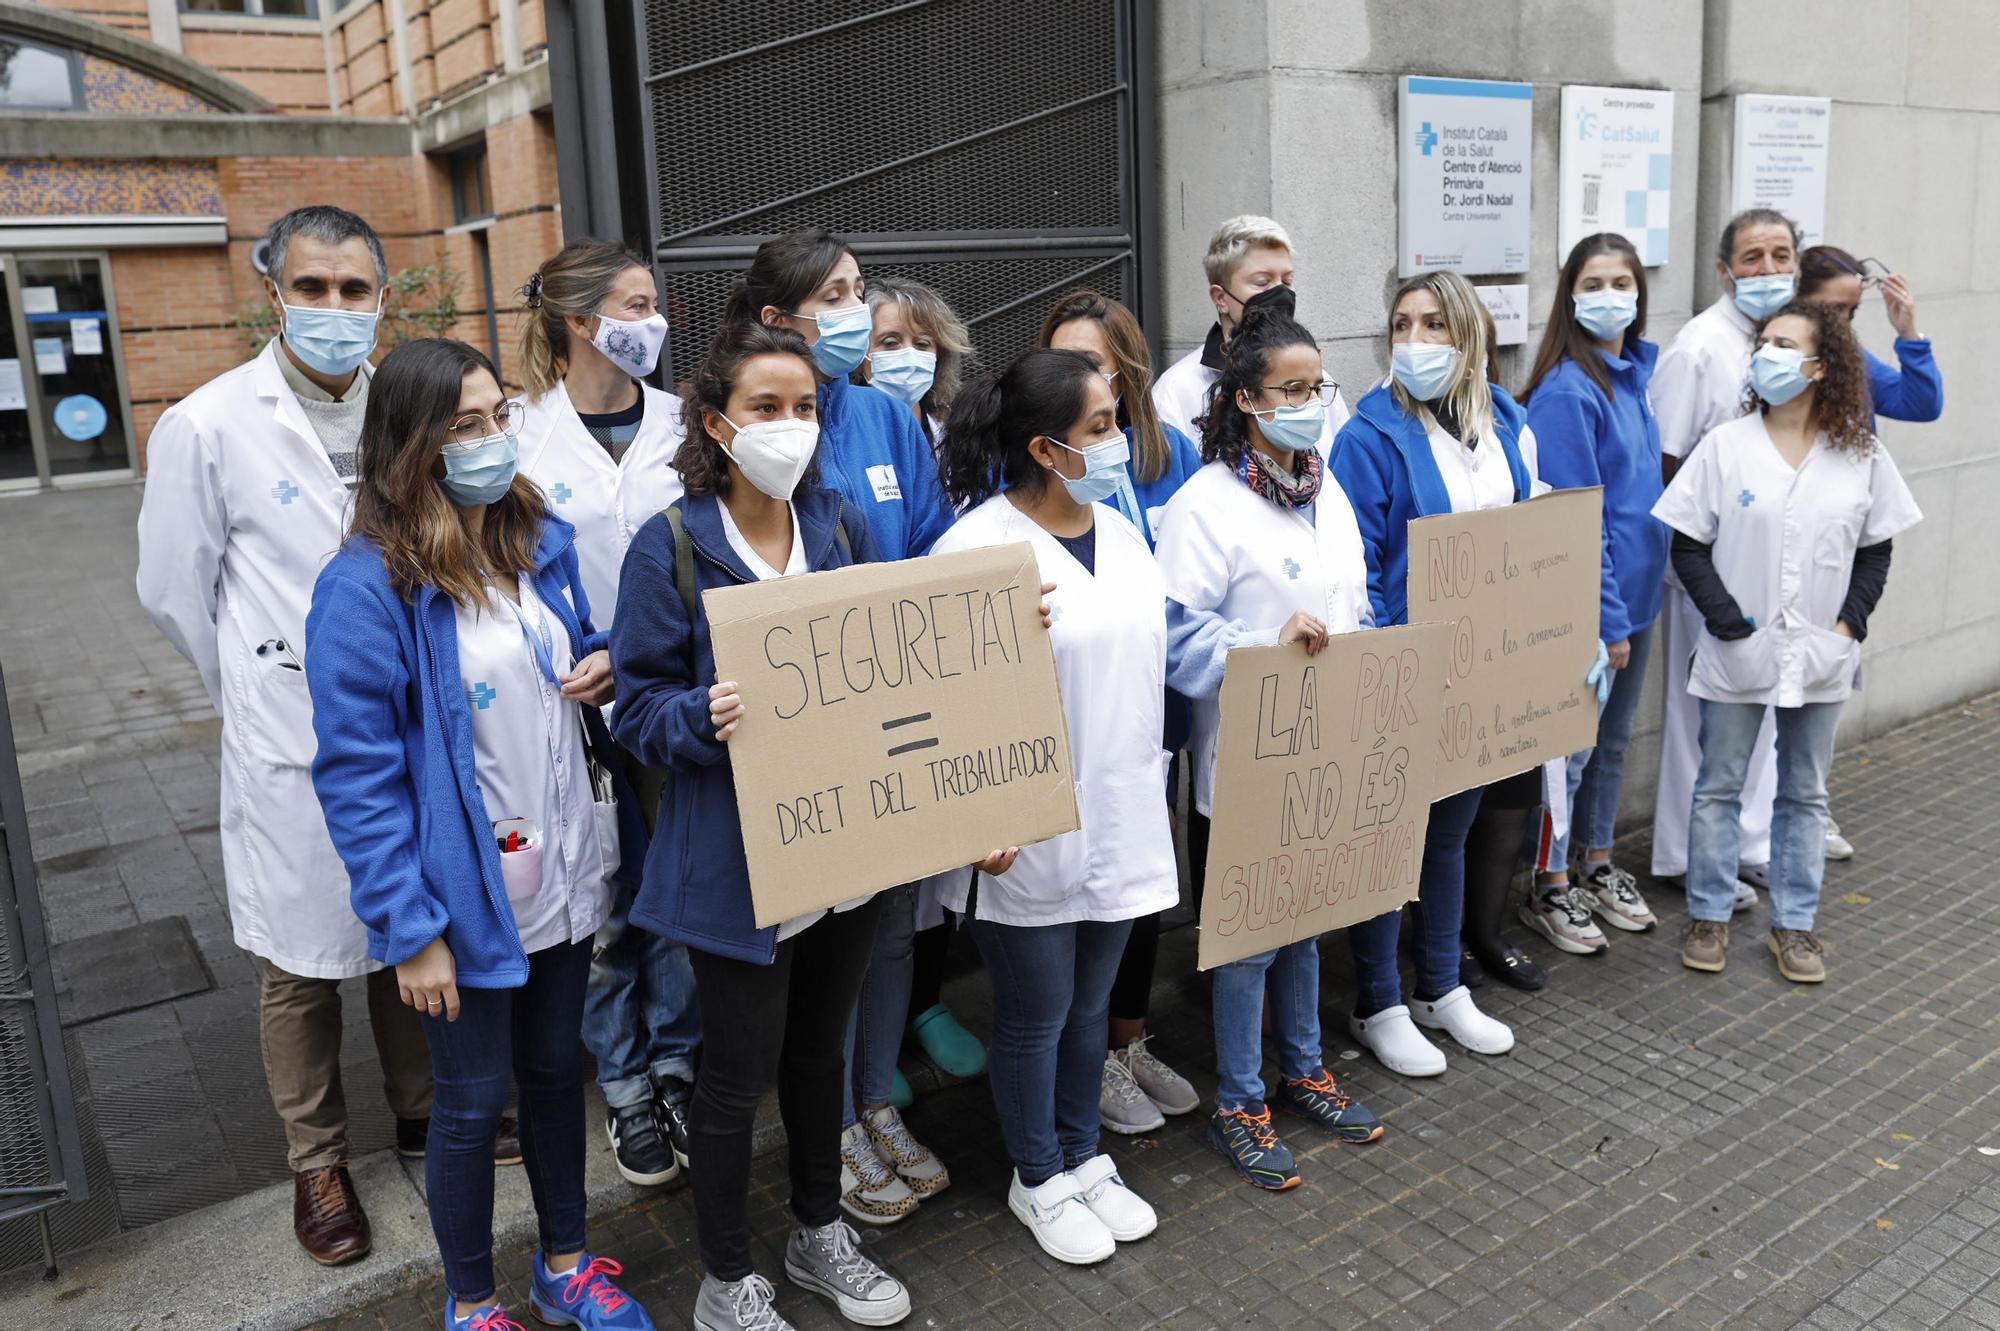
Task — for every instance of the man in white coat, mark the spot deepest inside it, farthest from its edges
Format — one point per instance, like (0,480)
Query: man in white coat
(1249,266)
(247,493)
(1697,386)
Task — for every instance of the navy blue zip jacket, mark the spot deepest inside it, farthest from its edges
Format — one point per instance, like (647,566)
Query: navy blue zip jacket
(395,772)
(873,452)
(1584,438)
(1382,459)
(696,888)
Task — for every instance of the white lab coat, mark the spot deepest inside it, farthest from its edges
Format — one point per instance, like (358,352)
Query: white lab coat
(1228,551)
(606,501)
(1784,543)
(1110,640)
(1180,396)
(241,510)
(1697,386)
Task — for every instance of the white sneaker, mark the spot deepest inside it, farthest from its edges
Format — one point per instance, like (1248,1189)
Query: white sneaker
(1124,1212)
(1837,846)
(1392,1037)
(1061,1220)
(1459,1017)
(1746,897)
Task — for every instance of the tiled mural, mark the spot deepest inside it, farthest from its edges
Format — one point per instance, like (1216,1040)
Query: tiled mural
(58,187)
(110,86)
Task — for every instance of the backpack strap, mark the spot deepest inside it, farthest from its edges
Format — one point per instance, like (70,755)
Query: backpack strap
(683,560)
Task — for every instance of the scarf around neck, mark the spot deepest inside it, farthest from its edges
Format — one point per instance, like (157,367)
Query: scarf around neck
(1277,485)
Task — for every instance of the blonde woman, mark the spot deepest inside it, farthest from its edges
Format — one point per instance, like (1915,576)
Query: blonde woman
(917,351)
(600,444)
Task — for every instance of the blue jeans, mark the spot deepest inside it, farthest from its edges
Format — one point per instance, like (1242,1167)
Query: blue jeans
(639,1013)
(1292,973)
(875,1031)
(1596,776)
(1051,1016)
(529,1035)
(1441,897)
(1798,816)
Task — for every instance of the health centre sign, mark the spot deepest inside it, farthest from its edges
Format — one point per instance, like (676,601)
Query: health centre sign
(1617,168)
(1464,168)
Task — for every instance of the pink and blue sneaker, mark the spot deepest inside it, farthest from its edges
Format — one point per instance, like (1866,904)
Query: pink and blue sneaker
(493,1317)
(585,1297)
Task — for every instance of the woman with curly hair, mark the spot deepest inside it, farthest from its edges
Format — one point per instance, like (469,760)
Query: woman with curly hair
(1782,523)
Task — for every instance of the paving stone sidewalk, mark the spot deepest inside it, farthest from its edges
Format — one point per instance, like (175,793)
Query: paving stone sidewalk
(1662,1149)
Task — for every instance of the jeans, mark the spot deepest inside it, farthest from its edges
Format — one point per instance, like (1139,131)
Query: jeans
(1798,816)
(778,1023)
(875,1033)
(1051,1011)
(1292,973)
(1596,776)
(529,1034)
(640,1020)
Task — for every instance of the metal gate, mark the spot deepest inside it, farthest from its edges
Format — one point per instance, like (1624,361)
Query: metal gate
(41,1150)
(992,148)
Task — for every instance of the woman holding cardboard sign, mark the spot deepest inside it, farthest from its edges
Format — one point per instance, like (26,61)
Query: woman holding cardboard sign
(1028,455)
(1258,549)
(774,1001)
(1437,436)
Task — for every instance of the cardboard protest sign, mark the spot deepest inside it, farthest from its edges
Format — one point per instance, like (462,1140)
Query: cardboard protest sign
(900,720)
(1519,587)
(1322,787)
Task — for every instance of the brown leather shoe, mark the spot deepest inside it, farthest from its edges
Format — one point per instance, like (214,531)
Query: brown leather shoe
(507,1142)
(327,1216)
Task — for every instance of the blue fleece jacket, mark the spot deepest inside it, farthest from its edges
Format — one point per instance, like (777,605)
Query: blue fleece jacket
(1382,459)
(1583,438)
(696,888)
(1911,389)
(395,771)
(862,432)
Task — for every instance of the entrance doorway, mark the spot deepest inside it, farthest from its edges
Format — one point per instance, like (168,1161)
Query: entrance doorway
(63,405)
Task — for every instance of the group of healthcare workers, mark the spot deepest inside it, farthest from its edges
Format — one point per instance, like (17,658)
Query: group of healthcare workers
(475,745)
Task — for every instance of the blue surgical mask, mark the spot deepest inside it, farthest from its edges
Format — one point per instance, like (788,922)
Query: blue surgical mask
(905,374)
(843,339)
(1103,469)
(1764,295)
(1424,369)
(1607,313)
(331,341)
(478,473)
(1294,428)
(1777,374)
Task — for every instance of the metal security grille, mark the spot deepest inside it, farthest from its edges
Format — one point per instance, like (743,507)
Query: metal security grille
(987,147)
(41,1157)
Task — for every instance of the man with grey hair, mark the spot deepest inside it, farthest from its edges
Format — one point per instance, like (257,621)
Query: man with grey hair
(1249,267)
(247,494)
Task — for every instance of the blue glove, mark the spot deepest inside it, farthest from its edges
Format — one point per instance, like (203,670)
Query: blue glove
(1599,677)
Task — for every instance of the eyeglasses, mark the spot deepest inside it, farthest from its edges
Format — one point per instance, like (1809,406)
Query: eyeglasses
(1873,271)
(1297,395)
(472,427)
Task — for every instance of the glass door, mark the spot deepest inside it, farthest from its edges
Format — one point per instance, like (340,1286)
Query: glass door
(72,352)
(17,438)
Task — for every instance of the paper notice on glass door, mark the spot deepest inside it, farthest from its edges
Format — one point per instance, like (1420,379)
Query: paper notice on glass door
(12,396)
(38,300)
(85,338)
(49,357)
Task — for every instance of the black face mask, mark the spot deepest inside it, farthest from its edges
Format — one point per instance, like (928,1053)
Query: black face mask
(1280,300)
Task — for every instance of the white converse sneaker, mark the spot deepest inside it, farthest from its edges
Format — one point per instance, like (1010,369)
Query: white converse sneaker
(1123,1211)
(1061,1220)
(1392,1037)
(1459,1017)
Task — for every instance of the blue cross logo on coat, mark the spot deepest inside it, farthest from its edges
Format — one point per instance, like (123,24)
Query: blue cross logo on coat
(562,492)
(1746,499)
(1291,567)
(285,492)
(481,695)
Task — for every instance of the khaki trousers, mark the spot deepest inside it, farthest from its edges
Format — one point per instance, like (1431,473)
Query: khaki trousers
(300,1029)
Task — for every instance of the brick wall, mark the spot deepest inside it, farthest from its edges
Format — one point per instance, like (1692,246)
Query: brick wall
(289,68)
(129,15)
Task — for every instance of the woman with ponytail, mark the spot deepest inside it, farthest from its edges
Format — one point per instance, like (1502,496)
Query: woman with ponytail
(601,443)
(1259,548)
(1028,455)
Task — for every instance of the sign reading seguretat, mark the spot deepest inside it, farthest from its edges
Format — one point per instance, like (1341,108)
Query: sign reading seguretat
(1323,779)
(899,720)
